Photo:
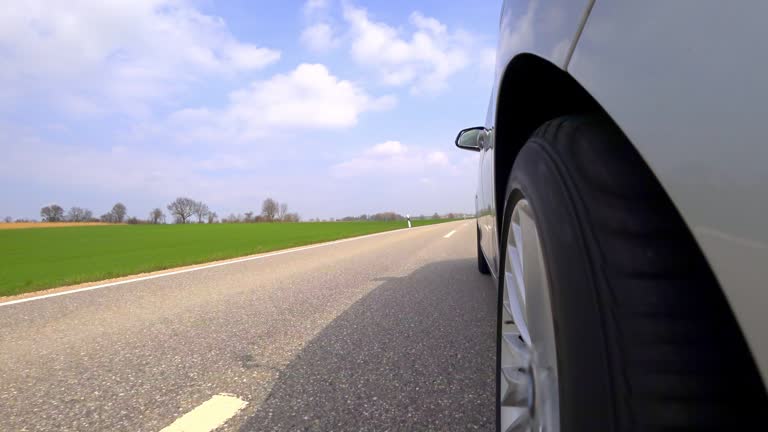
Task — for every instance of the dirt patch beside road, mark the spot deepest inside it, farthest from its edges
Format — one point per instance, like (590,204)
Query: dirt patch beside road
(23,225)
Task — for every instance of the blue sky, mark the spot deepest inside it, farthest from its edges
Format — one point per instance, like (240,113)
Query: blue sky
(335,107)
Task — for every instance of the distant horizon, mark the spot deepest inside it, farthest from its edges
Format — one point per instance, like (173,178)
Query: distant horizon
(38,218)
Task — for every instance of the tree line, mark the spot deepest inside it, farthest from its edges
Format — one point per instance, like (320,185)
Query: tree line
(186,210)
(392,216)
(271,211)
(182,210)
(55,213)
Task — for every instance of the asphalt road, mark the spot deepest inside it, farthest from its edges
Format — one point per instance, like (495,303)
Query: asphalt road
(390,332)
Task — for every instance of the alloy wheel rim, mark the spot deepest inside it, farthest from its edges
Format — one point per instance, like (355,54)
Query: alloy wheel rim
(528,386)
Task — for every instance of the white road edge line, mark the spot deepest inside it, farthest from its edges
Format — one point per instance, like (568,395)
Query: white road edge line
(207,266)
(449,234)
(209,415)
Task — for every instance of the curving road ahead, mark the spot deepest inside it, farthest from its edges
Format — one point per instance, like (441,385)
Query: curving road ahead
(388,332)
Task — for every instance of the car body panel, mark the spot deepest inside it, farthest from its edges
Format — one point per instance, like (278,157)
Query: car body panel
(546,28)
(686,82)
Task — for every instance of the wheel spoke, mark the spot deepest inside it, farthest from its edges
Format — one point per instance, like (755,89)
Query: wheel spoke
(515,259)
(518,387)
(516,419)
(508,308)
(517,234)
(528,375)
(530,269)
(517,348)
(515,307)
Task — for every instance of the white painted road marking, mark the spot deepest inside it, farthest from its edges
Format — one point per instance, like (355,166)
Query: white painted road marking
(202,267)
(211,414)
(450,234)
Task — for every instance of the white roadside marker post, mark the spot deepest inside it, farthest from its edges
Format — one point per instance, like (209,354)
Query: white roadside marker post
(409,220)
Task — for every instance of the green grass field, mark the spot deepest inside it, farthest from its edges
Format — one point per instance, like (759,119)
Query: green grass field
(38,258)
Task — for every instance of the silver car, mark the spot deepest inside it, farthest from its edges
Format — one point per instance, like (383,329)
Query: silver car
(621,208)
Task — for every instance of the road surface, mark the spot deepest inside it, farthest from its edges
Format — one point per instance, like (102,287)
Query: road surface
(388,332)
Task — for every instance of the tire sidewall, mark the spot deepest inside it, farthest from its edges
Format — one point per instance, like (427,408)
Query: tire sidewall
(586,402)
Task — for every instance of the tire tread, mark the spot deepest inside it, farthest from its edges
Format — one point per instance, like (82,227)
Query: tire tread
(674,346)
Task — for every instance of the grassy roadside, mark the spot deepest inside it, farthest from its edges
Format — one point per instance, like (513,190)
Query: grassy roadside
(40,258)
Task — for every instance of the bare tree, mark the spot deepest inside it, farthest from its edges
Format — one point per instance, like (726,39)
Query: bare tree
(282,211)
(156,216)
(232,218)
(248,217)
(133,220)
(77,214)
(118,212)
(386,216)
(182,209)
(201,211)
(52,213)
(8,219)
(291,217)
(269,209)
(212,216)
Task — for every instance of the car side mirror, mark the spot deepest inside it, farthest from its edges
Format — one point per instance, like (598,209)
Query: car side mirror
(472,138)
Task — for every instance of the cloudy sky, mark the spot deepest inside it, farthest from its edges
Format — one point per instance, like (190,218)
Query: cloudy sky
(335,107)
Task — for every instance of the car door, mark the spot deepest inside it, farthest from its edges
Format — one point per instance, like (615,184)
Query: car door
(485,208)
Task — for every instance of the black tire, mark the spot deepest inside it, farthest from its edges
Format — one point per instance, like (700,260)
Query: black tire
(482,264)
(645,338)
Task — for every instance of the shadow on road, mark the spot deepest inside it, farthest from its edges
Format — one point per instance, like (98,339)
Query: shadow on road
(416,353)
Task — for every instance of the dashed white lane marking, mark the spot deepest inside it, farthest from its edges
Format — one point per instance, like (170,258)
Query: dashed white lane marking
(209,415)
(449,234)
(207,266)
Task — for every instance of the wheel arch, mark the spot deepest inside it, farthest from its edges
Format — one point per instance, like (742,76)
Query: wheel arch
(532,91)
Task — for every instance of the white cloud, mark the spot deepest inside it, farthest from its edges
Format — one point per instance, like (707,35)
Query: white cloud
(312,7)
(392,158)
(438,158)
(77,172)
(425,60)
(74,167)
(427,23)
(222,162)
(387,148)
(142,176)
(319,37)
(488,58)
(307,97)
(93,56)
